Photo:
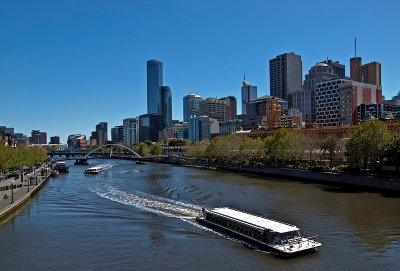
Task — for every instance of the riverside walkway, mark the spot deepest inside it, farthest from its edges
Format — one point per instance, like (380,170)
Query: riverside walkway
(12,199)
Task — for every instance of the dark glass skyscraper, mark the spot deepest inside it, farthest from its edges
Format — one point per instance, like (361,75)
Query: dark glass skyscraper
(154,84)
(166,106)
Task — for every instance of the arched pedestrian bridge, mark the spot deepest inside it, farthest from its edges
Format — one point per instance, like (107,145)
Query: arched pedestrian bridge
(84,154)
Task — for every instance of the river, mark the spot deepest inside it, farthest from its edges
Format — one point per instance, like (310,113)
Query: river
(141,217)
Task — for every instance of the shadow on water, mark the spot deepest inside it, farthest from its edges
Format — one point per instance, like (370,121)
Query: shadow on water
(327,187)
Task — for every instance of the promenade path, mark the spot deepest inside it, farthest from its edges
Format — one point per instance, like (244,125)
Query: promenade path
(10,203)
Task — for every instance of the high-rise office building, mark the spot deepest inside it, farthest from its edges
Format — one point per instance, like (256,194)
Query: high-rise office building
(93,139)
(101,133)
(303,99)
(166,106)
(191,106)
(213,108)
(249,93)
(369,73)
(285,74)
(130,131)
(149,127)
(353,94)
(117,134)
(38,137)
(55,140)
(154,84)
(328,102)
(231,107)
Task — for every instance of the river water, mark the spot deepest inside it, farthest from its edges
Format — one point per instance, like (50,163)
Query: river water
(141,217)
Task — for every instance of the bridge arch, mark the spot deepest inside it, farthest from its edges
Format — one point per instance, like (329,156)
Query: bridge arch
(106,145)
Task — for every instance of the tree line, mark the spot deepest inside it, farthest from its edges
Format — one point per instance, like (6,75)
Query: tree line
(371,144)
(21,156)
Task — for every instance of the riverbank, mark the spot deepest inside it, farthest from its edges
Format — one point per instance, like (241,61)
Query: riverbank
(13,199)
(333,178)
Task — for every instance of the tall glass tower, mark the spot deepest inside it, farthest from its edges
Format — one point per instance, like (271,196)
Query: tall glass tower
(154,84)
(166,106)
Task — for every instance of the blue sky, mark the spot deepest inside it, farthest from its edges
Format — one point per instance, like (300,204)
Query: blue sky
(67,65)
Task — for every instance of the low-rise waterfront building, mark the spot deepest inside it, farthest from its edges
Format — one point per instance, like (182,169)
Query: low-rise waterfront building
(202,128)
(229,127)
(77,141)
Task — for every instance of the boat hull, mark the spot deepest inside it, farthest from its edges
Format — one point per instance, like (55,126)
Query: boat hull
(257,244)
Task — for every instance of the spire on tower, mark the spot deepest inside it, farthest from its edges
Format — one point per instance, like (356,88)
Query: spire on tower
(355,47)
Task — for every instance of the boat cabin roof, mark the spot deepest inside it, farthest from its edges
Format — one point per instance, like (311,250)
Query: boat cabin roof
(258,221)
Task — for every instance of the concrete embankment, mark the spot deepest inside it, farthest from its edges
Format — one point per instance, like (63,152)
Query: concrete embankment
(11,203)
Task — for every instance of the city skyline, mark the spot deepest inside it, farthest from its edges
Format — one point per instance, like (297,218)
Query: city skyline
(78,65)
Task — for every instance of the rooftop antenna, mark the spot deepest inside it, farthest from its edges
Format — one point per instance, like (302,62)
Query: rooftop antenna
(355,47)
(244,77)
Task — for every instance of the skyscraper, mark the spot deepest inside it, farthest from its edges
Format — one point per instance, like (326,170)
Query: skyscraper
(371,73)
(249,93)
(285,74)
(213,108)
(231,107)
(191,106)
(154,84)
(166,106)
(101,133)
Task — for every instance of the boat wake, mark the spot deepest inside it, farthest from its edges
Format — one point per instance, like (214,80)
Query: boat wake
(149,203)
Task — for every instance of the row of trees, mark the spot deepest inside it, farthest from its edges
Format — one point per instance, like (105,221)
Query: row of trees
(19,157)
(147,148)
(370,143)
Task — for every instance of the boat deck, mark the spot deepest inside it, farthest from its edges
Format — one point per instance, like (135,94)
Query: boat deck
(258,221)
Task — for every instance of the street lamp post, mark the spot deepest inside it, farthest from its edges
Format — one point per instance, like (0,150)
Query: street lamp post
(12,191)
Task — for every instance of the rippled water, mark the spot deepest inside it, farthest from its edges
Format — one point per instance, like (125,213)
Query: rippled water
(141,217)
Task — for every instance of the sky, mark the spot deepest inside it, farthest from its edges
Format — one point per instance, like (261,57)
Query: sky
(67,65)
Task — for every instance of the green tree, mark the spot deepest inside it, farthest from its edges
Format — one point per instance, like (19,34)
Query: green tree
(217,149)
(198,150)
(284,145)
(251,150)
(368,143)
(156,149)
(393,151)
(330,145)
(143,149)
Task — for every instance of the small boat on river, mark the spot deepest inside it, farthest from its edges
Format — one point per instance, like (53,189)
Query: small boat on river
(96,169)
(54,173)
(81,161)
(140,162)
(282,239)
(61,167)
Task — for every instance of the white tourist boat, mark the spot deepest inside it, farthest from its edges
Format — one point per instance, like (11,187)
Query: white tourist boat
(278,237)
(96,169)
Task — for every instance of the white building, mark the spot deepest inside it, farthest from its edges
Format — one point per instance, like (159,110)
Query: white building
(130,131)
